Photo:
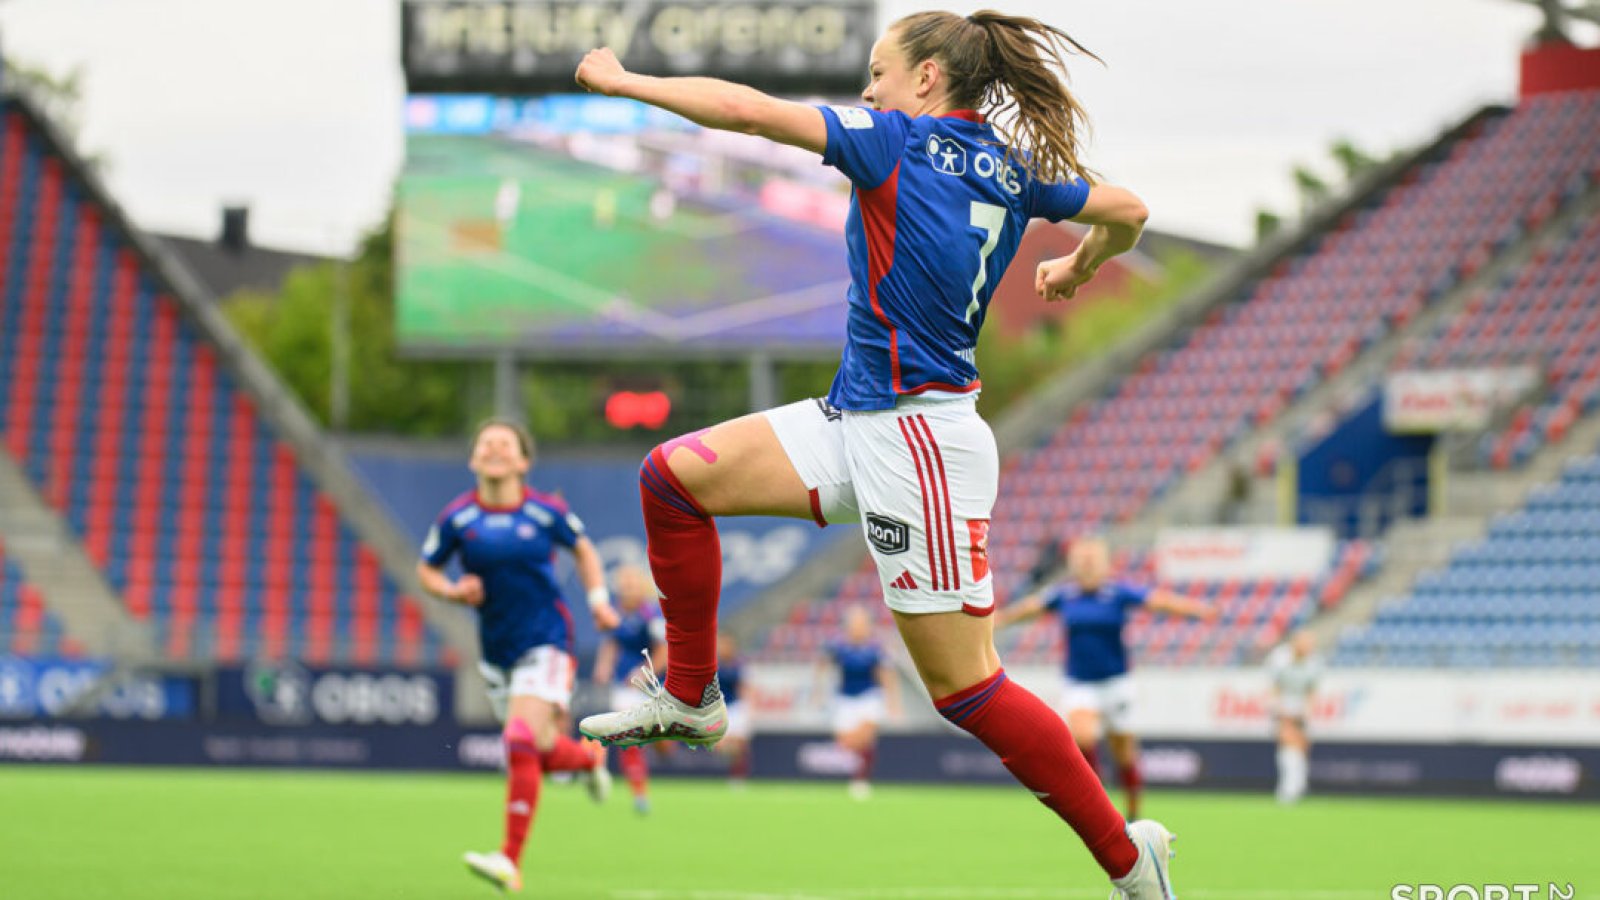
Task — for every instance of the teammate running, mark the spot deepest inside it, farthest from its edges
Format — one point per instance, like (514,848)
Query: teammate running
(1094,610)
(969,134)
(621,657)
(505,535)
(735,743)
(866,690)
(1295,669)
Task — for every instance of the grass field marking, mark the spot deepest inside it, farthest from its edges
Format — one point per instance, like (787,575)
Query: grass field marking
(582,294)
(986,894)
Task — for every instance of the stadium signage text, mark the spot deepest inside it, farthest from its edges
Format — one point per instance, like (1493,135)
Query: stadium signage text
(533,46)
(1483,891)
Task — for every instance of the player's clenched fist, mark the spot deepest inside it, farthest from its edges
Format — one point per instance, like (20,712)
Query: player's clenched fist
(1059,279)
(600,71)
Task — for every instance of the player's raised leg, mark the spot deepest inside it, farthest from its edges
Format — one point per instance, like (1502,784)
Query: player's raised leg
(735,468)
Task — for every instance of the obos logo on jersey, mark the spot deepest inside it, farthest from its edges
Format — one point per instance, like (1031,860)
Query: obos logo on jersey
(889,536)
(948,156)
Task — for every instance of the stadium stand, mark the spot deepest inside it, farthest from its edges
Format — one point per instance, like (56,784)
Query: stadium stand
(1524,596)
(126,421)
(27,627)
(1544,315)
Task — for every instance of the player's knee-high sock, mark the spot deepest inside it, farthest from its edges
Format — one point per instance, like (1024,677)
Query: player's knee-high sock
(568,754)
(1292,768)
(867,755)
(636,768)
(522,787)
(686,561)
(739,766)
(1091,755)
(1037,748)
(1132,782)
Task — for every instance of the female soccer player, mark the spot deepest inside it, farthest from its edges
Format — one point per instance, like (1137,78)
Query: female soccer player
(622,655)
(866,690)
(968,134)
(1295,669)
(1094,611)
(505,535)
(735,743)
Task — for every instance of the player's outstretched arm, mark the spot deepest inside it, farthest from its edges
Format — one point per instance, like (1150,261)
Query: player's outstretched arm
(1162,600)
(467,591)
(1116,217)
(592,575)
(709,102)
(1020,611)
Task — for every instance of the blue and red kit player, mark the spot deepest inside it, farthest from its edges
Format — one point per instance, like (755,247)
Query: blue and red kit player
(735,743)
(621,658)
(969,133)
(865,693)
(505,537)
(1098,693)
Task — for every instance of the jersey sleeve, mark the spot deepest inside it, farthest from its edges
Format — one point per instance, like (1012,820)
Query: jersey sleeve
(1132,594)
(863,143)
(1054,597)
(441,543)
(1057,201)
(567,528)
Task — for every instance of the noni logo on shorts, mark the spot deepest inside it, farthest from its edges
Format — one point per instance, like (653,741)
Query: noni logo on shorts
(889,536)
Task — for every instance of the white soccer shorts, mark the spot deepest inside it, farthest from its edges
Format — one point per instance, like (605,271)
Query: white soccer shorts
(921,479)
(739,727)
(850,712)
(545,672)
(1112,699)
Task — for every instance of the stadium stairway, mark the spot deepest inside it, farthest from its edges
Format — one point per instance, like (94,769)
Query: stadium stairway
(65,579)
(238,405)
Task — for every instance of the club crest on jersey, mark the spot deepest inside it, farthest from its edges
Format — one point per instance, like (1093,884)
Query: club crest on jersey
(525,531)
(889,536)
(947,156)
(852,117)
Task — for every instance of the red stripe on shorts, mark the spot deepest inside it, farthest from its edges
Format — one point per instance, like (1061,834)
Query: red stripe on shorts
(927,517)
(948,533)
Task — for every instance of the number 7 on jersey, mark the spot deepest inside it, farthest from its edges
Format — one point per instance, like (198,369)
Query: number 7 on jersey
(991,219)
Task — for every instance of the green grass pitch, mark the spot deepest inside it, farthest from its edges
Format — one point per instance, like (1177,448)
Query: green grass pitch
(219,834)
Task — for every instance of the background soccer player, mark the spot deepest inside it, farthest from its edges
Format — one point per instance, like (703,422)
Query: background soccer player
(505,535)
(621,657)
(735,743)
(1098,694)
(865,691)
(969,134)
(1295,669)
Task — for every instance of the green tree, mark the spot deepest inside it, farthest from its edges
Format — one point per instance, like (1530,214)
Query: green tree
(293,331)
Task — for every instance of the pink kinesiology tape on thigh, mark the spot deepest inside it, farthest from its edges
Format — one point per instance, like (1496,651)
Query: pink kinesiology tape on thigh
(693,442)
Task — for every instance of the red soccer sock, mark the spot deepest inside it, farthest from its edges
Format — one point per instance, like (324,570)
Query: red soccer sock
(1091,755)
(867,756)
(636,768)
(522,790)
(1132,781)
(1037,748)
(686,562)
(568,754)
(739,767)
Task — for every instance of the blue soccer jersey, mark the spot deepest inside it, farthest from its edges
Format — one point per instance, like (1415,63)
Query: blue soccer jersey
(730,676)
(638,631)
(936,216)
(1094,621)
(513,551)
(858,667)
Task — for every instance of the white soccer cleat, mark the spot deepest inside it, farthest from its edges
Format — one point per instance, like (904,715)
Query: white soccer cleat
(495,868)
(597,781)
(859,790)
(1148,879)
(661,717)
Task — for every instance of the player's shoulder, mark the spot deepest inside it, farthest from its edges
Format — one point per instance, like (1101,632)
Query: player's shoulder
(550,502)
(462,509)
(1130,589)
(865,118)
